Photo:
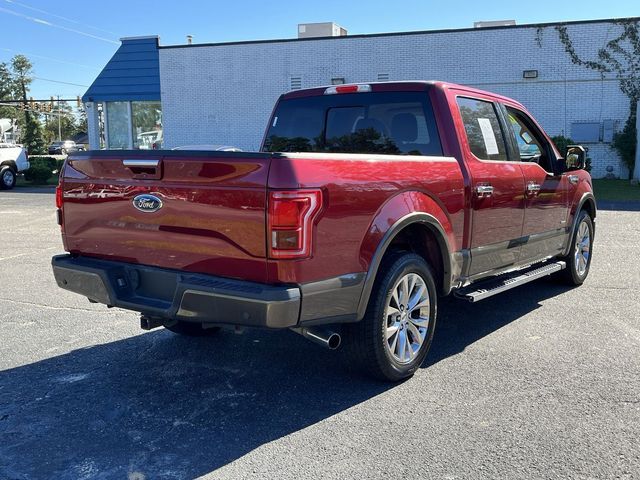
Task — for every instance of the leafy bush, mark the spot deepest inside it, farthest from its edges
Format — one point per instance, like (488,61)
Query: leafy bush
(38,174)
(42,169)
(561,142)
(624,143)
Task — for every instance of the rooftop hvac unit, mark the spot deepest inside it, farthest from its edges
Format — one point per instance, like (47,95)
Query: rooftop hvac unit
(316,30)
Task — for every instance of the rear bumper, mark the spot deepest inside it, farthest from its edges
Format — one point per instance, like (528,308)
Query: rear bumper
(170,294)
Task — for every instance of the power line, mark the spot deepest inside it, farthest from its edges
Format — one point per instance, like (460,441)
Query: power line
(50,58)
(54,25)
(60,81)
(77,22)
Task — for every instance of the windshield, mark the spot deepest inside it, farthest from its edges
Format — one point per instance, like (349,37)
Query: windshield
(385,123)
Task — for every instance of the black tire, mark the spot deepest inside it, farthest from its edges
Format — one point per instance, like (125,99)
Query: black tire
(190,329)
(575,274)
(365,342)
(8,178)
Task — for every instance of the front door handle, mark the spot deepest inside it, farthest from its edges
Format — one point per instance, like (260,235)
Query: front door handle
(533,188)
(483,191)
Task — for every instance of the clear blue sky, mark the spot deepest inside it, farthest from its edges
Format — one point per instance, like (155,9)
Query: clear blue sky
(71,40)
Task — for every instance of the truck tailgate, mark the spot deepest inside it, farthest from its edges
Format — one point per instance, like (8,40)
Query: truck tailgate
(198,211)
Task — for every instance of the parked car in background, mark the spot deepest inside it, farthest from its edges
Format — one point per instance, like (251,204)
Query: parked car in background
(65,147)
(13,159)
(365,204)
(150,140)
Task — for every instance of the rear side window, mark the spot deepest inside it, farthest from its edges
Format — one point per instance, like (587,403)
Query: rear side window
(384,123)
(481,124)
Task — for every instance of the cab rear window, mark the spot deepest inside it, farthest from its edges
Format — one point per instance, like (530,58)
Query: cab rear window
(393,123)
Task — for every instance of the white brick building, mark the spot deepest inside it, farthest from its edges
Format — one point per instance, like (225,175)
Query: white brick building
(224,93)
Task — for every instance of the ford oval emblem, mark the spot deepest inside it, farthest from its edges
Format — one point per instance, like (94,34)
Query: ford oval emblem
(147,203)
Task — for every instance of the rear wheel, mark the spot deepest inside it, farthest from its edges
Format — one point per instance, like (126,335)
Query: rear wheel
(192,329)
(393,339)
(579,258)
(7,178)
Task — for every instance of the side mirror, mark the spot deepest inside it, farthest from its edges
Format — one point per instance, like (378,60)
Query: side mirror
(575,158)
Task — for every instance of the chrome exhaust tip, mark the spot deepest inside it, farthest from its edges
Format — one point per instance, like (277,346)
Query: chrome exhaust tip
(321,336)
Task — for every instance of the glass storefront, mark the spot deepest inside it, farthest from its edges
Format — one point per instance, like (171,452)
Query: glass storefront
(118,125)
(136,125)
(147,125)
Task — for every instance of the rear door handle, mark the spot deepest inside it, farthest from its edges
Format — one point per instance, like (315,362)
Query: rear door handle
(533,188)
(483,191)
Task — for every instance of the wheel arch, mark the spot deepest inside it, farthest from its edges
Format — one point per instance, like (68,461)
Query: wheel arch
(588,203)
(10,163)
(398,235)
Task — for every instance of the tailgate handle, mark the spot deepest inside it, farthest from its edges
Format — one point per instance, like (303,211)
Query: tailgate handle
(141,163)
(144,168)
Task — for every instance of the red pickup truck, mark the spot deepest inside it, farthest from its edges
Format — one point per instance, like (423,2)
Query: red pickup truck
(365,203)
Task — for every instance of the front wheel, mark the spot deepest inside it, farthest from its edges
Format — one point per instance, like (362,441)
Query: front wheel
(579,258)
(7,178)
(393,339)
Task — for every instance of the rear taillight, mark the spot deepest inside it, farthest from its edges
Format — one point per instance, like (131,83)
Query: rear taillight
(59,199)
(290,222)
(59,203)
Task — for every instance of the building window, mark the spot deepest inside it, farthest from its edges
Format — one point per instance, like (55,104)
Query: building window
(118,122)
(131,125)
(383,77)
(147,125)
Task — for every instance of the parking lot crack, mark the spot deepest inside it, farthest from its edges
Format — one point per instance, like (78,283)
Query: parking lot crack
(48,307)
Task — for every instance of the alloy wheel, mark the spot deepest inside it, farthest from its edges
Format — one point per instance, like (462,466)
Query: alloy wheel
(582,249)
(407,318)
(7,178)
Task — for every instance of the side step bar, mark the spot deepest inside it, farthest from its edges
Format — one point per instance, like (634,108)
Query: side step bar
(488,288)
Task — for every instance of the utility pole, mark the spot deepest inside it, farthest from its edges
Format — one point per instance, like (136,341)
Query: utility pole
(59,121)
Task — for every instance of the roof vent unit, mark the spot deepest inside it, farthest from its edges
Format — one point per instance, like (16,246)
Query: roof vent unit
(494,23)
(318,30)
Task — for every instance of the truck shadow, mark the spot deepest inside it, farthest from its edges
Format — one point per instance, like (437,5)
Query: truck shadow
(461,323)
(160,406)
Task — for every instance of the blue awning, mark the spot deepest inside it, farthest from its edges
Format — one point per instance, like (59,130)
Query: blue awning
(133,73)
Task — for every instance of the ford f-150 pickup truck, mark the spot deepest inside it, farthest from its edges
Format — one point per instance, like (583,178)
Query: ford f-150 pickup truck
(365,204)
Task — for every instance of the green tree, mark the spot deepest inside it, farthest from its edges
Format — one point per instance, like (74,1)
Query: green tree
(22,72)
(68,123)
(7,91)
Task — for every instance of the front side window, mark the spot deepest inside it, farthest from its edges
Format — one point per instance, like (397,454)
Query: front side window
(532,146)
(400,123)
(482,127)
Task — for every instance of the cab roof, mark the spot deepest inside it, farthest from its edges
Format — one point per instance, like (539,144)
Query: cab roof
(400,86)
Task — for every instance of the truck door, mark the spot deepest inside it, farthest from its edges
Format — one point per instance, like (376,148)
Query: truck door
(497,185)
(546,189)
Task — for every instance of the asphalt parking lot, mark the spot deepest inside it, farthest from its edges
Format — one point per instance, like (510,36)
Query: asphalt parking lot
(541,382)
